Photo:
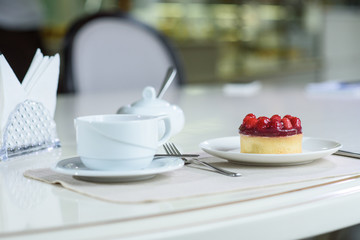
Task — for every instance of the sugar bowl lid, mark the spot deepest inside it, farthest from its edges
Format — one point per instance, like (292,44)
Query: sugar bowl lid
(148,104)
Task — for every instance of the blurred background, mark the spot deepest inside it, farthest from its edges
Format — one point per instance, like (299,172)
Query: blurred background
(232,40)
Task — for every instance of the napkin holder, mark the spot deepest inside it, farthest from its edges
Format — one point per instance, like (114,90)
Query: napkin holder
(29,128)
(27,108)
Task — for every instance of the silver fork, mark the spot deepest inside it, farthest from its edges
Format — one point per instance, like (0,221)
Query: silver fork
(171,149)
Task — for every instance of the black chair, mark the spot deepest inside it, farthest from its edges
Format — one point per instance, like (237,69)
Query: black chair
(113,51)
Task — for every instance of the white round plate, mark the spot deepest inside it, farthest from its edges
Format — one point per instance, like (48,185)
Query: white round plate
(74,166)
(229,149)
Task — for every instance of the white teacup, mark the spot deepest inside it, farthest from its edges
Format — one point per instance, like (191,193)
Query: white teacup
(119,142)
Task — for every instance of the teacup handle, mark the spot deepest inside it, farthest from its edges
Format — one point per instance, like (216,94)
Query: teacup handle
(167,133)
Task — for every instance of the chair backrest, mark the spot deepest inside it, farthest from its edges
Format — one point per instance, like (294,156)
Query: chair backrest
(112,51)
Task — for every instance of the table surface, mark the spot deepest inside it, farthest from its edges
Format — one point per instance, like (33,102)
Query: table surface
(35,210)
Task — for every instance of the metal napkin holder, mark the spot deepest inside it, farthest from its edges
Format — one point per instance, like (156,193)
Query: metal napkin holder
(29,128)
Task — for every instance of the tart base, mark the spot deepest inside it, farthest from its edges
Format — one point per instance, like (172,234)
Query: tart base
(271,145)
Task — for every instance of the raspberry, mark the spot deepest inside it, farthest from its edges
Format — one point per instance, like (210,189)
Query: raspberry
(250,123)
(286,123)
(251,115)
(264,118)
(288,116)
(275,124)
(275,117)
(248,116)
(296,123)
(262,123)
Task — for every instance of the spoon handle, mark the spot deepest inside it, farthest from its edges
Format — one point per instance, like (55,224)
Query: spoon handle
(347,154)
(170,75)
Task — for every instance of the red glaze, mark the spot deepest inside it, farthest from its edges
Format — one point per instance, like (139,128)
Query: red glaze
(270,127)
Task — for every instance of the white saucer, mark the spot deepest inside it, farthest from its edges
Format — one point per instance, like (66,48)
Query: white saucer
(74,166)
(229,149)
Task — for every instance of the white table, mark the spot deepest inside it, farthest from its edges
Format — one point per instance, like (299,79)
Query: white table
(31,209)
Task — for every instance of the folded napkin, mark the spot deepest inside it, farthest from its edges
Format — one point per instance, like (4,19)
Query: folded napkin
(40,85)
(194,181)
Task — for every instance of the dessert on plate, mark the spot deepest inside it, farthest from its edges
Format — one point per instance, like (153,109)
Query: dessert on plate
(275,135)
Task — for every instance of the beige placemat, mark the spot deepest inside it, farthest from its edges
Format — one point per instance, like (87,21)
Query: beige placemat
(193,181)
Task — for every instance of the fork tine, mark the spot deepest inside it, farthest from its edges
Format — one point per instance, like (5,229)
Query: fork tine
(171,149)
(165,146)
(168,149)
(174,148)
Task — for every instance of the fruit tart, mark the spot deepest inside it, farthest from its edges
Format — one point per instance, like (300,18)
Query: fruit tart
(273,135)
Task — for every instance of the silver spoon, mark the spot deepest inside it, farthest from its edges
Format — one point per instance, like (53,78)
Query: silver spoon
(169,77)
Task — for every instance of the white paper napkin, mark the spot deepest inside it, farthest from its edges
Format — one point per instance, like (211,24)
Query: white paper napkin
(33,66)
(40,85)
